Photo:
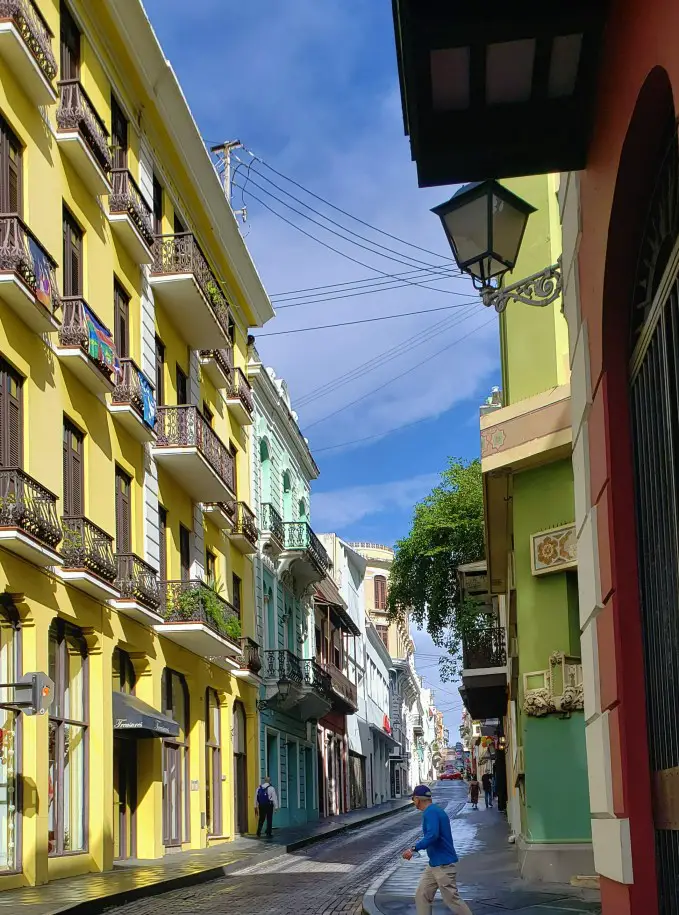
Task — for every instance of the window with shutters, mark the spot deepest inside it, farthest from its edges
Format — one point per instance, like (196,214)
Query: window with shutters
(232,329)
(210,567)
(70,45)
(160,372)
(182,386)
(73,256)
(236,589)
(380,592)
(10,171)
(157,206)
(162,543)
(118,134)
(121,320)
(383,632)
(74,471)
(208,414)
(233,451)
(179,226)
(123,512)
(11,417)
(185,552)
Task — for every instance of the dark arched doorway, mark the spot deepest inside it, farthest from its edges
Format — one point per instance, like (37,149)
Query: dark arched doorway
(240,768)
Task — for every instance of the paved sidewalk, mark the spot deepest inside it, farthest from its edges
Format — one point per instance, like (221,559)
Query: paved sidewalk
(488,876)
(93,893)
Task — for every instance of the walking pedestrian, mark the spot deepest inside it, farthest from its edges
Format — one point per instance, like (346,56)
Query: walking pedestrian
(474,793)
(487,782)
(266,802)
(441,872)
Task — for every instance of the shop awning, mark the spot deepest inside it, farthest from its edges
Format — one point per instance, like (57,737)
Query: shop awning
(388,737)
(139,719)
(326,592)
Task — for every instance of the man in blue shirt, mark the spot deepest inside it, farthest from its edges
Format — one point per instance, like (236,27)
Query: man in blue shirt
(441,872)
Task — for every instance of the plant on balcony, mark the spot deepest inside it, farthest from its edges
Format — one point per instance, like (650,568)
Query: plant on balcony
(447,530)
(232,628)
(214,293)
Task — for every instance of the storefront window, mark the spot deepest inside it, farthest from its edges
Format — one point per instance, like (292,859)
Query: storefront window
(10,723)
(213,764)
(124,678)
(176,799)
(66,811)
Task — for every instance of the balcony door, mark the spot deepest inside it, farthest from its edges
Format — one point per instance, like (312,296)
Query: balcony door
(123,512)
(70,45)
(121,320)
(185,552)
(172,795)
(11,417)
(10,171)
(74,482)
(118,135)
(73,256)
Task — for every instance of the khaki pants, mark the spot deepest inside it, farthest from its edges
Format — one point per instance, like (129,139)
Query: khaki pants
(444,879)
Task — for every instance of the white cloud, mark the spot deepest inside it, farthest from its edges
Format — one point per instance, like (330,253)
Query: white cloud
(339,508)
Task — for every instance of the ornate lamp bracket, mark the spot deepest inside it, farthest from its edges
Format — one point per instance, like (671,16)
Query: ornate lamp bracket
(540,289)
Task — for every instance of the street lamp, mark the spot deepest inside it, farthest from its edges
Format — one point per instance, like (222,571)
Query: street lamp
(484,223)
(283,692)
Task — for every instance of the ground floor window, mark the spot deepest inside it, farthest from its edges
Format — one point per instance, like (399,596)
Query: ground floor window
(10,746)
(213,764)
(176,797)
(240,768)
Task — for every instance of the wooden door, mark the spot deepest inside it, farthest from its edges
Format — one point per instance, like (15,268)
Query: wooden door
(124,798)
(185,552)
(118,135)
(121,320)
(72,262)
(73,503)
(123,512)
(11,417)
(172,795)
(70,45)
(10,171)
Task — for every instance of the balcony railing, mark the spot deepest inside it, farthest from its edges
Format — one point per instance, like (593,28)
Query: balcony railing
(484,648)
(341,683)
(272,522)
(87,546)
(137,580)
(34,31)
(194,601)
(76,112)
(299,536)
(133,387)
(318,679)
(28,506)
(181,253)
(82,328)
(417,723)
(250,658)
(22,253)
(183,426)
(244,521)
(284,665)
(127,198)
(242,389)
(223,357)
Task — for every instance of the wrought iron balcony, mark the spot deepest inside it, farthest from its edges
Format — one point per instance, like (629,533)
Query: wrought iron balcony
(484,648)
(37,41)
(272,529)
(418,727)
(318,679)
(28,268)
(87,346)
(127,201)
(137,581)
(284,665)
(194,601)
(218,365)
(194,453)
(76,112)
(300,537)
(86,547)
(344,692)
(240,399)
(244,531)
(134,390)
(184,279)
(29,508)
(250,658)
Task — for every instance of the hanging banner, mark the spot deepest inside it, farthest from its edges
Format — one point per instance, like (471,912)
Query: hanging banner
(100,344)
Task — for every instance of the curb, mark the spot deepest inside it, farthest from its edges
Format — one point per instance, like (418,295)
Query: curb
(122,897)
(369,900)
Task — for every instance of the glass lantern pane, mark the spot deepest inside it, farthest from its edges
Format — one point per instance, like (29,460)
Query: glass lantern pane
(508,225)
(467,226)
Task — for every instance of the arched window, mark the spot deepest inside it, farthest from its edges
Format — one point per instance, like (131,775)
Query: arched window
(176,798)
(301,511)
(287,497)
(68,735)
(380,592)
(240,768)
(124,677)
(265,471)
(213,763)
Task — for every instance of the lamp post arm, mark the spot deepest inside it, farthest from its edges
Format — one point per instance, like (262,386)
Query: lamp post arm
(540,289)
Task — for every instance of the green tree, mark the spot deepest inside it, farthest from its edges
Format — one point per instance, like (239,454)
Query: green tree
(447,530)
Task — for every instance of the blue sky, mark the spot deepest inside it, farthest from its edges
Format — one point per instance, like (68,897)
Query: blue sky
(310,87)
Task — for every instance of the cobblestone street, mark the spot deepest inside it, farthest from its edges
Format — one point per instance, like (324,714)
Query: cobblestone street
(328,878)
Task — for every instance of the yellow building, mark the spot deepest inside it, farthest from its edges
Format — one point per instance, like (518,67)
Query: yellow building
(126,293)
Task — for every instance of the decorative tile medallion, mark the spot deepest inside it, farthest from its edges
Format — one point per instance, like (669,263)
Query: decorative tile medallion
(554,550)
(492,440)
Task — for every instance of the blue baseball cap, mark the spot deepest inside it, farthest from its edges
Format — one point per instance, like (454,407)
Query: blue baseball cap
(422,791)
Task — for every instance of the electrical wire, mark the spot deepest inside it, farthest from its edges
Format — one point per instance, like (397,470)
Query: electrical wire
(319,298)
(367,281)
(333,222)
(403,314)
(397,377)
(340,210)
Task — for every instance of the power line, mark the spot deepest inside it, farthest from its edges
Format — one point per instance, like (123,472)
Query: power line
(403,314)
(319,298)
(369,438)
(332,221)
(343,212)
(396,378)
(330,247)
(368,281)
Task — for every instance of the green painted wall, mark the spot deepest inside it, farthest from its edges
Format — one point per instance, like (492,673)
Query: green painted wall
(534,341)
(556,806)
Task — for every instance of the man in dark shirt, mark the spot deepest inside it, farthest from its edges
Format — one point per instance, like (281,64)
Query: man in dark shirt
(440,873)
(487,782)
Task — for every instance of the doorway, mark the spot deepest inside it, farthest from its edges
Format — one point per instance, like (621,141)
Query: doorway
(240,768)
(124,798)
(172,795)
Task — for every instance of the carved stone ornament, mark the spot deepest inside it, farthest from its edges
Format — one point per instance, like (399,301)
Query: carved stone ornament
(559,689)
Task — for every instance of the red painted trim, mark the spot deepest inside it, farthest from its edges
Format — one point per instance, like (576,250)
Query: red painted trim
(616,898)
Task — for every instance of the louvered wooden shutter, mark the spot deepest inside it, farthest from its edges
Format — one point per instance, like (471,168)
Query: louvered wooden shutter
(73,472)
(160,372)
(11,419)
(72,256)
(121,308)
(122,512)
(13,179)
(157,206)
(162,543)
(185,552)
(67,473)
(118,135)
(70,45)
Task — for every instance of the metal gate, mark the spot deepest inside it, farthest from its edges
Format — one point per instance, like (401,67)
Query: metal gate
(655,433)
